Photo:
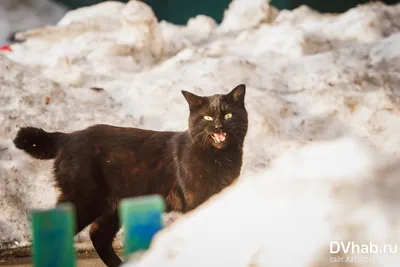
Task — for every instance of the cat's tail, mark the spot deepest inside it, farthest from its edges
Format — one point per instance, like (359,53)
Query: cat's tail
(39,143)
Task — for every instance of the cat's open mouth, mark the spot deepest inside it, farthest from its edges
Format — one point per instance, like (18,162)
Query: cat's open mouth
(218,137)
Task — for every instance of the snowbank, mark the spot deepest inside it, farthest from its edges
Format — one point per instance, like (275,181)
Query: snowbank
(310,77)
(320,195)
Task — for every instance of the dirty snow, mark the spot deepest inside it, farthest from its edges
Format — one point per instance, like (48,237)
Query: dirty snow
(310,77)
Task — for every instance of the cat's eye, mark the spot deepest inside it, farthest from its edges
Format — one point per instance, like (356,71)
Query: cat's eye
(228,116)
(208,118)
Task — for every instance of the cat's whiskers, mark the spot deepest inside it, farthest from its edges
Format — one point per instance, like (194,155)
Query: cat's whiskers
(204,141)
(201,138)
(241,127)
(194,138)
(216,161)
(238,139)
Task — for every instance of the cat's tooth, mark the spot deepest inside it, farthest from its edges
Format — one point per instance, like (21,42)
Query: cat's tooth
(215,138)
(218,138)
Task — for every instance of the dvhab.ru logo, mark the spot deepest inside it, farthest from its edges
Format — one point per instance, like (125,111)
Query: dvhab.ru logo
(359,253)
(353,248)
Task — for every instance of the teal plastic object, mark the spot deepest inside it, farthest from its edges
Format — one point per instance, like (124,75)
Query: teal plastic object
(53,237)
(179,11)
(282,4)
(174,11)
(141,218)
(337,6)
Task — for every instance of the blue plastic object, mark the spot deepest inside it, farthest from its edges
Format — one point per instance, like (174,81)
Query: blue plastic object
(141,219)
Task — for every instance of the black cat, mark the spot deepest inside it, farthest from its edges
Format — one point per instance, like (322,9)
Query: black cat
(96,167)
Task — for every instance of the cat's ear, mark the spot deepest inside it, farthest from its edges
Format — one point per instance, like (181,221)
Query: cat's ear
(192,99)
(238,93)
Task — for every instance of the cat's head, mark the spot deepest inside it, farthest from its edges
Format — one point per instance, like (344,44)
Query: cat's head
(218,120)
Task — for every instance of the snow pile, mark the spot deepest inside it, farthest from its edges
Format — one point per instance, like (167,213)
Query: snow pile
(243,14)
(322,194)
(310,77)
(21,15)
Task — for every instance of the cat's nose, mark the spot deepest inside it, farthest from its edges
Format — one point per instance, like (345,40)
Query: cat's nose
(218,126)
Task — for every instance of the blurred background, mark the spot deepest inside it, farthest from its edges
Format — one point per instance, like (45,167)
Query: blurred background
(20,15)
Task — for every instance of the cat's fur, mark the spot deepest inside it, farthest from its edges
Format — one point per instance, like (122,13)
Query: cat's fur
(96,167)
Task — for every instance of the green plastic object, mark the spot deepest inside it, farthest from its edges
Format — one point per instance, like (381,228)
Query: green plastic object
(141,218)
(53,237)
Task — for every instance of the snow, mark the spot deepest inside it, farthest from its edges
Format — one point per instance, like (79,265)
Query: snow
(311,78)
(289,214)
